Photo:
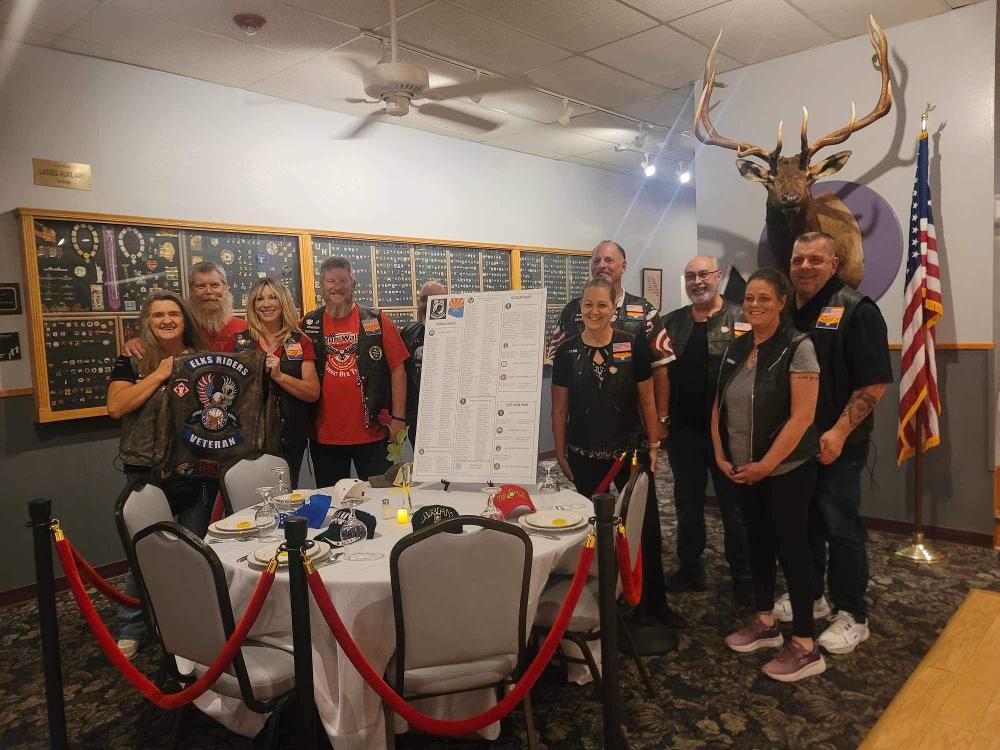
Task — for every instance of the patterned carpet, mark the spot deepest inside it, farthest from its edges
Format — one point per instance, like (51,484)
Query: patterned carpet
(708,697)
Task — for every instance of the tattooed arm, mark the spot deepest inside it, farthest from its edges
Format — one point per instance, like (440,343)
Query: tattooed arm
(859,405)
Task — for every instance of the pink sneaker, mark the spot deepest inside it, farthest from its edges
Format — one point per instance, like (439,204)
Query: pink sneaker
(754,636)
(795,663)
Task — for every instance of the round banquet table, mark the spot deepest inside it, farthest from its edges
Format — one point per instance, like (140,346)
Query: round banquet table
(351,712)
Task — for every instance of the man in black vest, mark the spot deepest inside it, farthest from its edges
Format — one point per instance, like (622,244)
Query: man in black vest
(360,360)
(413,337)
(637,316)
(700,333)
(852,346)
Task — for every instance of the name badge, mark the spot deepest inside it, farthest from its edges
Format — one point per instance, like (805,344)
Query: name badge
(829,318)
(739,328)
(372,327)
(635,312)
(293,350)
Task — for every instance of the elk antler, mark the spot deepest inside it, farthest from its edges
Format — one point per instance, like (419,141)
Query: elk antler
(882,106)
(711,135)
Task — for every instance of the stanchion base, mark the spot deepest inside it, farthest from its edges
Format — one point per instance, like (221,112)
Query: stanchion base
(921,552)
(651,637)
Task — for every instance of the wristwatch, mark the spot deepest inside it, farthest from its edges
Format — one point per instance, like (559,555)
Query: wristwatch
(664,420)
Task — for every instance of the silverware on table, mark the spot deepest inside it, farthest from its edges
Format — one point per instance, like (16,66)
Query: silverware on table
(335,557)
(553,537)
(243,558)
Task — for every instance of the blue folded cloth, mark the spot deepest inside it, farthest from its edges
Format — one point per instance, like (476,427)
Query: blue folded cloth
(332,534)
(314,510)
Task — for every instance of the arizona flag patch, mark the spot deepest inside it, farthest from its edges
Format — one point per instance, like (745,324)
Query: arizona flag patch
(372,327)
(635,312)
(622,352)
(739,328)
(830,317)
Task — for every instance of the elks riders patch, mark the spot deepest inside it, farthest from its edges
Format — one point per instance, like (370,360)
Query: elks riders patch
(830,317)
(622,352)
(215,426)
(635,312)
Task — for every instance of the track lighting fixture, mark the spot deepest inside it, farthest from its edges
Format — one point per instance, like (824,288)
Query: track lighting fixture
(567,112)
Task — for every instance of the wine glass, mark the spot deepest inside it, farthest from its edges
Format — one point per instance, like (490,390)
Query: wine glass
(352,531)
(491,510)
(281,486)
(266,517)
(549,485)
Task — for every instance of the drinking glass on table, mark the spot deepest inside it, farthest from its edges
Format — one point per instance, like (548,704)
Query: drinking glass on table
(491,510)
(281,486)
(266,517)
(548,485)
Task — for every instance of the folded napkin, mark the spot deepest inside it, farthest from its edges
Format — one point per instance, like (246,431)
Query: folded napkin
(332,534)
(314,510)
(432,514)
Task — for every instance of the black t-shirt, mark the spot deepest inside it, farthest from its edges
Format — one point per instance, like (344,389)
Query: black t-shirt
(688,377)
(123,369)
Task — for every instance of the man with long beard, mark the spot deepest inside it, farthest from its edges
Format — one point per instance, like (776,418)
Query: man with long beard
(700,333)
(211,304)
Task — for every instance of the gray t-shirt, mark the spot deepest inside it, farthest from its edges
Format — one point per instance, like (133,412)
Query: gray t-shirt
(738,407)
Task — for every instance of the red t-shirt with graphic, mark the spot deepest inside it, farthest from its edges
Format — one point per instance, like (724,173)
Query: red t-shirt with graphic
(341,419)
(224,340)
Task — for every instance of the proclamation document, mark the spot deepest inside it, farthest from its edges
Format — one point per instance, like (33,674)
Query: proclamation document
(481,387)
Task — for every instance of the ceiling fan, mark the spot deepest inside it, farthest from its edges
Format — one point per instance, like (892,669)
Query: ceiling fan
(396,85)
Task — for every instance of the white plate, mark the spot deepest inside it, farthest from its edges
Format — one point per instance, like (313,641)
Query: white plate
(291,501)
(264,554)
(554,520)
(233,525)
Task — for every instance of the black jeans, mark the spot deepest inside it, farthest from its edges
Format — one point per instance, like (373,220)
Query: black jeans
(776,511)
(692,459)
(331,463)
(587,474)
(835,520)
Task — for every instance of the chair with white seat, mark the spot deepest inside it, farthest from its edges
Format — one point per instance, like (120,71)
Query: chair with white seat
(185,585)
(460,604)
(240,479)
(585,622)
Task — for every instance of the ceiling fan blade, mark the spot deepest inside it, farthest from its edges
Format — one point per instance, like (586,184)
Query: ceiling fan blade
(457,115)
(367,121)
(484,85)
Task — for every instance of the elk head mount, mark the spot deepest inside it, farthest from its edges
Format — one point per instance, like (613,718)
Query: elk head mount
(791,207)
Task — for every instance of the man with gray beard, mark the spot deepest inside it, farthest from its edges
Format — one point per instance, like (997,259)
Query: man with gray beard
(211,304)
(701,332)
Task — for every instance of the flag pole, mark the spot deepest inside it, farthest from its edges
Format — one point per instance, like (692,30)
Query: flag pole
(918,550)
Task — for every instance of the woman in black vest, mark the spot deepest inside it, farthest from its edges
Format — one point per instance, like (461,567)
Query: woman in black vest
(602,395)
(135,395)
(272,328)
(764,438)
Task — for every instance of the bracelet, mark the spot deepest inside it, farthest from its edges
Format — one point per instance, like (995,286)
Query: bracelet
(398,419)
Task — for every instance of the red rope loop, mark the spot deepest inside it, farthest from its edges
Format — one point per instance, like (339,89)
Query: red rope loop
(422,722)
(631,579)
(94,578)
(136,678)
(612,473)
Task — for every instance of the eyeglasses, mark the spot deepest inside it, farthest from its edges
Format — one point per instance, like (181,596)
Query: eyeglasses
(700,275)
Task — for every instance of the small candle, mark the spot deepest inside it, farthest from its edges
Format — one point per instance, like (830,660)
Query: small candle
(402,516)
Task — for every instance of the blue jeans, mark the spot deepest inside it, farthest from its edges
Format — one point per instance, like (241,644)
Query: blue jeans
(836,528)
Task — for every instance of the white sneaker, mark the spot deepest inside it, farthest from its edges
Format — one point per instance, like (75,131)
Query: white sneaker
(844,634)
(783,608)
(129,647)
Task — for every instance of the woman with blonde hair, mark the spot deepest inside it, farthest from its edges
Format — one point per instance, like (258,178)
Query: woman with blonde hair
(272,328)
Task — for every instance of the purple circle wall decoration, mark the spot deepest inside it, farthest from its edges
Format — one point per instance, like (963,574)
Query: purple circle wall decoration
(881,235)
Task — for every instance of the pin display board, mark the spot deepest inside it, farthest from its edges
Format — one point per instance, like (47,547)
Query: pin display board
(87,276)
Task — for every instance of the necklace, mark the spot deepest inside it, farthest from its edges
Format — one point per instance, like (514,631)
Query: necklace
(86,244)
(753,357)
(123,246)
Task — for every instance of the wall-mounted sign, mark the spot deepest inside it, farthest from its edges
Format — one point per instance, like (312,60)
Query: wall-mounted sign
(10,346)
(652,286)
(10,299)
(61,174)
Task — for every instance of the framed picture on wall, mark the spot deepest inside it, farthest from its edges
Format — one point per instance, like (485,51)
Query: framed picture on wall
(652,286)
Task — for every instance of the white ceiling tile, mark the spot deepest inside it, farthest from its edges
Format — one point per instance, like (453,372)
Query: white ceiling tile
(364,14)
(366,52)
(472,38)
(506,124)
(319,81)
(668,10)
(847,18)
(604,126)
(50,16)
(26,35)
(585,162)
(287,29)
(530,104)
(661,56)
(963,3)
(669,109)
(630,159)
(575,24)
(592,82)
(115,34)
(553,138)
(527,150)
(754,30)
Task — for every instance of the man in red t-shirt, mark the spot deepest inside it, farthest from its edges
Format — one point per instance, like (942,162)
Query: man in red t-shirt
(211,303)
(360,364)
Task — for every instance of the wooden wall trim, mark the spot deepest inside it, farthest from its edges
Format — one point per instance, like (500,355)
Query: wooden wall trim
(956,346)
(16,392)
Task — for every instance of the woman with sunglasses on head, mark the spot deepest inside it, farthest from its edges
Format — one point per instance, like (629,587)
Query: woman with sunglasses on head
(272,328)
(765,441)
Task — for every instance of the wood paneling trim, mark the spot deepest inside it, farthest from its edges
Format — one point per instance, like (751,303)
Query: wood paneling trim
(956,345)
(16,392)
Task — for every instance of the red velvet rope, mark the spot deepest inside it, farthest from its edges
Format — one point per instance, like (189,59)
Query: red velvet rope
(137,679)
(631,579)
(425,723)
(610,476)
(93,577)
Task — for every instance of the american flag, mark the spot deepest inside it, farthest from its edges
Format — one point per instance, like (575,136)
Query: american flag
(918,387)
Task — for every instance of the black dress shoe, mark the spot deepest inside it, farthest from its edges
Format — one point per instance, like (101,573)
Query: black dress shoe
(681,581)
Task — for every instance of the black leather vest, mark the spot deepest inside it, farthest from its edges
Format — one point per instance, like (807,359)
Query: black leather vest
(373,369)
(138,445)
(291,413)
(603,417)
(413,338)
(772,393)
(630,317)
(720,332)
(827,327)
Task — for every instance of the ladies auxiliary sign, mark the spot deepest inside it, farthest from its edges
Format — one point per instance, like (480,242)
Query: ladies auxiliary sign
(481,386)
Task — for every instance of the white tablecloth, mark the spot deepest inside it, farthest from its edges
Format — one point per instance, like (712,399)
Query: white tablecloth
(351,712)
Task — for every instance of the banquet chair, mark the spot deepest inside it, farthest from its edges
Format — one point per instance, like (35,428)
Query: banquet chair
(585,622)
(241,478)
(185,585)
(460,605)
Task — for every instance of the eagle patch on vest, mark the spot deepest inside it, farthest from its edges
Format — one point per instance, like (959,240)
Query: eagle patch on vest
(215,425)
(829,318)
